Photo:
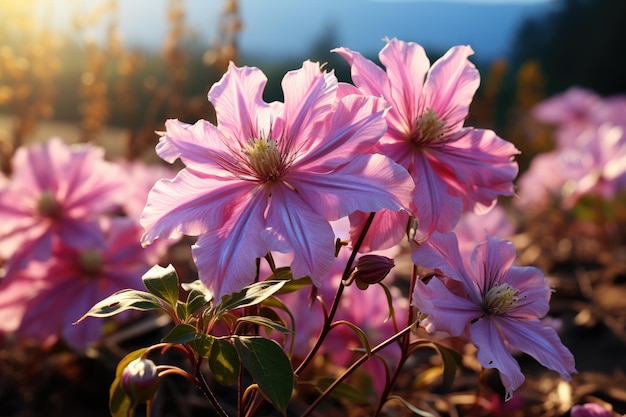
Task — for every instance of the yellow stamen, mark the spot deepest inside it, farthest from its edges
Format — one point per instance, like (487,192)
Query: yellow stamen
(428,128)
(47,205)
(501,298)
(264,157)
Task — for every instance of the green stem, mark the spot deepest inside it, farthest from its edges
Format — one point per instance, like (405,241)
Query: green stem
(333,309)
(353,367)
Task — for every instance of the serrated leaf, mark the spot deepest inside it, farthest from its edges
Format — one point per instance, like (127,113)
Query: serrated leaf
(224,362)
(360,333)
(269,367)
(251,295)
(120,405)
(265,322)
(343,391)
(162,282)
(122,301)
(410,406)
(182,333)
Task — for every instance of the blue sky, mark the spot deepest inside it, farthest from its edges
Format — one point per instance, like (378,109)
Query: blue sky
(277,28)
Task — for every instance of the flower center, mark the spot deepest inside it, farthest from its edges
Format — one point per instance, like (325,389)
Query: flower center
(500,299)
(48,206)
(428,128)
(264,157)
(91,263)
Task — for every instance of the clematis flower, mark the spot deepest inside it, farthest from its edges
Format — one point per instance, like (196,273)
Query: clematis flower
(473,228)
(491,302)
(57,191)
(454,167)
(270,177)
(42,301)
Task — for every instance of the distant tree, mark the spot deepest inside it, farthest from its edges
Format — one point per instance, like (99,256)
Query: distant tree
(582,42)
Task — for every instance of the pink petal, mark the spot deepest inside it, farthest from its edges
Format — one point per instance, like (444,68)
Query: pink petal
(226,257)
(450,86)
(539,341)
(535,292)
(191,204)
(200,146)
(407,66)
(387,229)
(367,76)
(238,102)
(367,183)
(446,311)
(356,125)
(309,96)
(492,353)
(437,210)
(441,252)
(483,161)
(293,224)
(490,262)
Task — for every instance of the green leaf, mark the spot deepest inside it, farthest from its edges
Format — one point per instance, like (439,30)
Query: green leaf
(224,362)
(410,406)
(251,295)
(265,322)
(120,405)
(295,285)
(343,391)
(199,286)
(360,333)
(162,282)
(182,333)
(122,301)
(269,367)
(451,360)
(195,301)
(202,344)
(389,301)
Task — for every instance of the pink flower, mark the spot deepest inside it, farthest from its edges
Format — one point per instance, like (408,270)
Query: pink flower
(142,178)
(496,305)
(57,191)
(270,177)
(473,228)
(454,167)
(42,300)
(590,410)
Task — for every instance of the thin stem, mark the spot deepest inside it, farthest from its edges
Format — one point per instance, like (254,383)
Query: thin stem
(405,343)
(202,383)
(354,367)
(333,309)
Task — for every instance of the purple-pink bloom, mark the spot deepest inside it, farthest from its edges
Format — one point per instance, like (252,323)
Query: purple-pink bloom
(590,410)
(44,299)
(491,302)
(270,176)
(57,191)
(454,167)
(473,228)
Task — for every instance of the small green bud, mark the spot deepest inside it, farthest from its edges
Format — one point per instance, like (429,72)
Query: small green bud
(140,380)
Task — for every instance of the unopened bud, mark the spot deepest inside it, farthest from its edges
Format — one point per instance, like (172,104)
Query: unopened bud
(140,380)
(370,269)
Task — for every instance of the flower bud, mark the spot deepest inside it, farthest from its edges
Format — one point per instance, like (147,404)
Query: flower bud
(140,380)
(370,269)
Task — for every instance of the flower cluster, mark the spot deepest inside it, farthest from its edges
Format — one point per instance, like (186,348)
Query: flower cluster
(590,153)
(264,192)
(69,237)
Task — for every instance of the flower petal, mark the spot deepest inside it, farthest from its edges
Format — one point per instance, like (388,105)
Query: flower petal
(492,353)
(450,86)
(437,210)
(407,66)
(539,341)
(490,262)
(483,161)
(226,257)
(367,183)
(387,229)
(445,311)
(292,225)
(192,203)
(238,102)
(535,292)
